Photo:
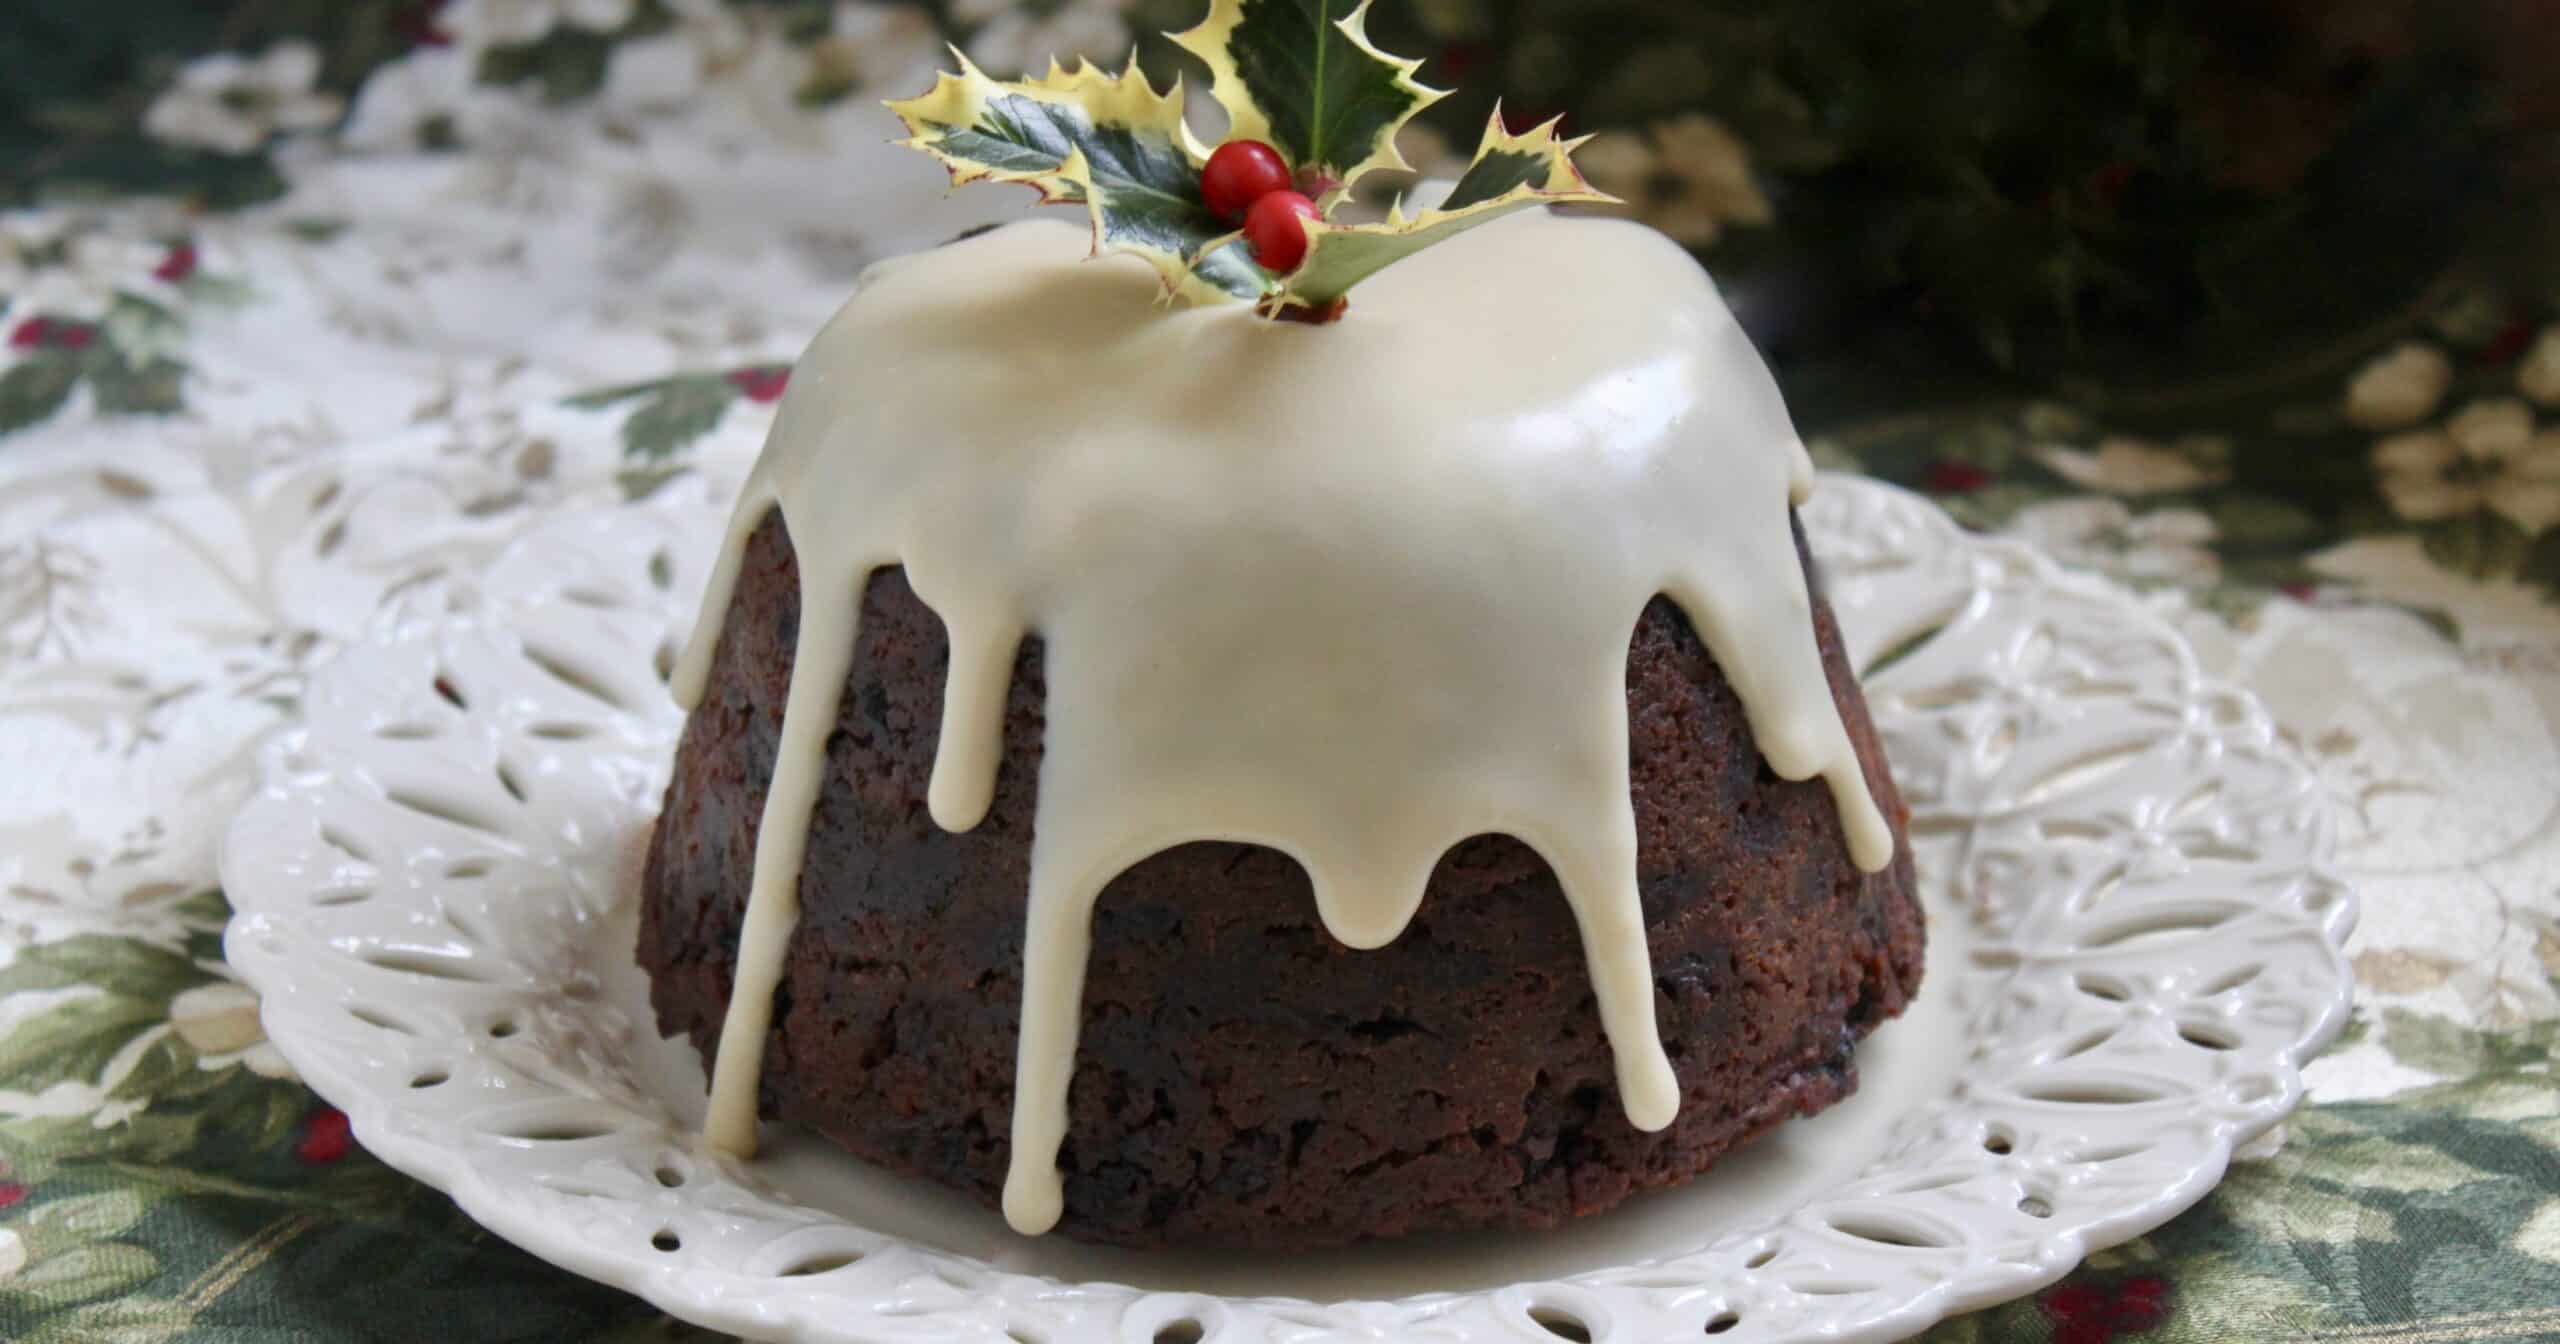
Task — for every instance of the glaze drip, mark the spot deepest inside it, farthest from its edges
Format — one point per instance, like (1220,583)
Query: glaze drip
(1355,593)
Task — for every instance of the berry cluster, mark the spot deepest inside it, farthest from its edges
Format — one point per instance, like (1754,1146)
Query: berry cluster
(1248,180)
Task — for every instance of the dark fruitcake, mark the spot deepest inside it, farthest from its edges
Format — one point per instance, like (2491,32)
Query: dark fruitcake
(1242,1079)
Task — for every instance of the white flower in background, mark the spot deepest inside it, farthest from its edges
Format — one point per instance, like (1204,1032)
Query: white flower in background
(403,98)
(667,69)
(2487,612)
(235,104)
(2129,466)
(886,47)
(71,270)
(474,24)
(2487,456)
(1017,39)
(34,278)
(1689,177)
(2399,388)
(13,1254)
(2162,546)
(655,72)
(220,1023)
(2538,375)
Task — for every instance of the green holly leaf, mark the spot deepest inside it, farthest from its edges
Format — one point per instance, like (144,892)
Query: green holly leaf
(672,412)
(1510,173)
(1302,76)
(2449,1049)
(151,387)
(81,1274)
(568,62)
(35,387)
(1112,143)
(142,328)
(141,1320)
(35,1147)
(96,959)
(2542,565)
(167,1062)
(2480,545)
(2262,520)
(58,1225)
(216,291)
(73,1041)
(684,410)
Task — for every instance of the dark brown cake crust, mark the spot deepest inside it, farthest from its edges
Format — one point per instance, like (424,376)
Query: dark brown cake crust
(1243,1080)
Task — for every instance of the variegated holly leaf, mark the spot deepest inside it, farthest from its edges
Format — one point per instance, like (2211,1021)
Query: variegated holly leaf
(1302,76)
(1509,173)
(1109,142)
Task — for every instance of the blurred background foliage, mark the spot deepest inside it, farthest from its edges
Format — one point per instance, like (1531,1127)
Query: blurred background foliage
(2110,199)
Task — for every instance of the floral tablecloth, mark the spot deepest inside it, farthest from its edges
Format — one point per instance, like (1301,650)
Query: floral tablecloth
(310,308)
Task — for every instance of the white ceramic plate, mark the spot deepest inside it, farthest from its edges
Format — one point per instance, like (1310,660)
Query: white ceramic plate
(2134,943)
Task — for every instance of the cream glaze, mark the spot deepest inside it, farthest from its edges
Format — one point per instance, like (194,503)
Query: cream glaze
(1354,592)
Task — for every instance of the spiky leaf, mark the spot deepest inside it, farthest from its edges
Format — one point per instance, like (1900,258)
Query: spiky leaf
(1110,142)
(34,388)
(684,409)
(1509,173)
(1303,76)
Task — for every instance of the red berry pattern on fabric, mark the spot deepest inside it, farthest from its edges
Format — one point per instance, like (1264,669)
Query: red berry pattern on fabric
(2508,343)
(1946,476)
(177,265)
(12,1194)
(325,1137)
(1240,173)
(761,382)
(2100,1313)
(1276,230)
(417,24)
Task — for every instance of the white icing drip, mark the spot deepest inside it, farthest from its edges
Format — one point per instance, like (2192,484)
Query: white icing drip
(1355,592)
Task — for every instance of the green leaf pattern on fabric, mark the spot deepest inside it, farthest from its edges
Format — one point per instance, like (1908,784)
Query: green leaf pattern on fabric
(2333,450)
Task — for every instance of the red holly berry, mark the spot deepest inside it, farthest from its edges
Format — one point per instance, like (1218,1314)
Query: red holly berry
(12,1194)
(1947,476)
(177,265)
(417,23)
(31,333)
(73,335)
(1240,173)
(1276,229)
(762,382)
(324,1137)
(2508,343)
(2100,1313)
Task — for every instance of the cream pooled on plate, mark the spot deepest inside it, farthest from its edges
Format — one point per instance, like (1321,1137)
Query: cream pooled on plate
(1354,592)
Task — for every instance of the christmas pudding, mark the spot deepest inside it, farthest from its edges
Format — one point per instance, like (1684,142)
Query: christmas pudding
(1189,776)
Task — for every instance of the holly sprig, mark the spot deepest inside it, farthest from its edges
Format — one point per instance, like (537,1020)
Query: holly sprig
(1303,88)
(1302,77)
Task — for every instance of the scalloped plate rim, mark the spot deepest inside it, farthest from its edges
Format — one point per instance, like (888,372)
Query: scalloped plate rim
(725,1300)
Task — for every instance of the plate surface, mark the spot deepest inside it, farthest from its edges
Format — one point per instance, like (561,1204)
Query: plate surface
(2134,944)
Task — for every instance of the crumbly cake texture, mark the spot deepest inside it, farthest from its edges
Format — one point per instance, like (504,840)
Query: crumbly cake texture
(1242,1079)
